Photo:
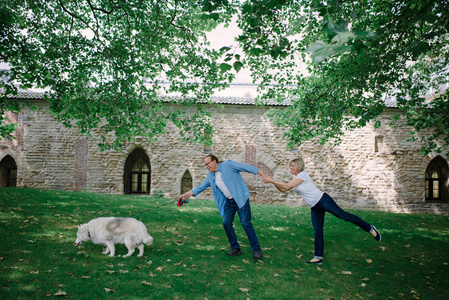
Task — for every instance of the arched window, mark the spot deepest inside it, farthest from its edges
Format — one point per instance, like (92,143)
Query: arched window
(437,188)
(137,173)
(186,182)
(8,172)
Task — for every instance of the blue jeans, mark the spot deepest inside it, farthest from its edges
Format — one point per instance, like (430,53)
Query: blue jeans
(328,204)
(230,208)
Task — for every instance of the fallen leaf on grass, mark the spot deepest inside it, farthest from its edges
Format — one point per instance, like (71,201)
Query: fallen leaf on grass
(369,260)
(244,290)
(109,290)
(110,271)
(246,261)
(146,283)
(346,272)
(177,275)
(363,284)
(159,269)
(123,271)
(60,293)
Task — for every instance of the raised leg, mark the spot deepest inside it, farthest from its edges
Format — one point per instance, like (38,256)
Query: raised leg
(106,251)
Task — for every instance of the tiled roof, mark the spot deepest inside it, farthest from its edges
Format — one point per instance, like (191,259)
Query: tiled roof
(232,100)
(30,94)
(27,94)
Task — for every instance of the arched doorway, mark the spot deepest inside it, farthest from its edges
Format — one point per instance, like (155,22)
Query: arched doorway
(186,182)
(137,176)
(8,172)
(437,185)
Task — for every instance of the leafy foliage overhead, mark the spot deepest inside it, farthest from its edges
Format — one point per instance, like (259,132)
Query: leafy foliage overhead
(105,60)
(360,53)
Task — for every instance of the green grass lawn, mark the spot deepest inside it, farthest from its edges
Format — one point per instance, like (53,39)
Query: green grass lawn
(187,259)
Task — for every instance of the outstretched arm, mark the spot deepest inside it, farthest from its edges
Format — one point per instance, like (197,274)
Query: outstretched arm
(282,186)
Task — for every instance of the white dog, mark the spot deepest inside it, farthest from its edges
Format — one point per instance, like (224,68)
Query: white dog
(110,231)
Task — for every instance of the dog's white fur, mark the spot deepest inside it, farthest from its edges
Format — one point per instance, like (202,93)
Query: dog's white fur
(110,231)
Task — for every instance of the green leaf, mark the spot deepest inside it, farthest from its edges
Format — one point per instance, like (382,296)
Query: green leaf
(320,50)
(224,49)
(237,66)
(225,67)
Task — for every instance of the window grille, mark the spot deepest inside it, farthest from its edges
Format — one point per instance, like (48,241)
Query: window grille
(437,181)
(137,173)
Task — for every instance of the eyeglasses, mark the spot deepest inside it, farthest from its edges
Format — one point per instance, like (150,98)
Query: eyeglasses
(208,163)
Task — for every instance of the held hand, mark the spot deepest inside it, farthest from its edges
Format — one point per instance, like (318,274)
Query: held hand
(186,195)
(266,178)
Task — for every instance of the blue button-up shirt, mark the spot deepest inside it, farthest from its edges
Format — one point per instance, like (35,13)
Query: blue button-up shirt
(230,173)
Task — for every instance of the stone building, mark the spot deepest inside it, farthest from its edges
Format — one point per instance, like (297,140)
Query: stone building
(372,168)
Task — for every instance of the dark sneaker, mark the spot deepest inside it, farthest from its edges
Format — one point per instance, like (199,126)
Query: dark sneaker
(257,255)
(317,262)
(378,237)
(233,252)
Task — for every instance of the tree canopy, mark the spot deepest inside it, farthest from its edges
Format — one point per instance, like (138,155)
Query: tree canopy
(104,61)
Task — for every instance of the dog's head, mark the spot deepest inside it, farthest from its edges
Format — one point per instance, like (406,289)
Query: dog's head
(82,235)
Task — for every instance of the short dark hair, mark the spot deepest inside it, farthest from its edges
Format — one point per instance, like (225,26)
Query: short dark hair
(213,157)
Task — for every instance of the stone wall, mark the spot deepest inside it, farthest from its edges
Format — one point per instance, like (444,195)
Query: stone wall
(371,169)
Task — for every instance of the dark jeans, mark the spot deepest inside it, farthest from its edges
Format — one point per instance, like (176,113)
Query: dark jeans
(328,204)
(230,208)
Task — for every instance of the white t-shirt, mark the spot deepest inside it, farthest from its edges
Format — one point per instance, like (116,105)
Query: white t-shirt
(307,190)
(222,186)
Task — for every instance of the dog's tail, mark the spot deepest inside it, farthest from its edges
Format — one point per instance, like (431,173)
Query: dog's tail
(148,239)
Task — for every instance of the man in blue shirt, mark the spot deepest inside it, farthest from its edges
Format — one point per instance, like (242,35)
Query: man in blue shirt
(231,195)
